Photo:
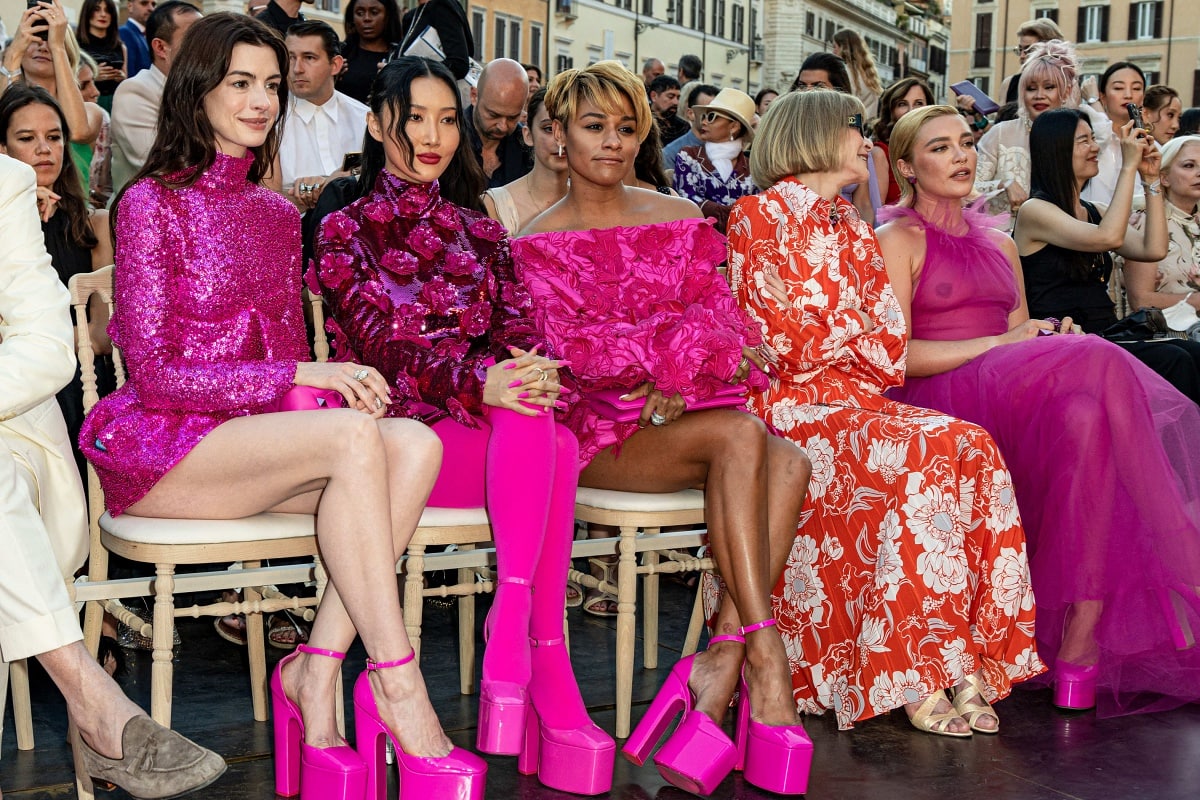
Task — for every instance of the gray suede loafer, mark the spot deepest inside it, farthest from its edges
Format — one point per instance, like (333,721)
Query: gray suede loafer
(157,764)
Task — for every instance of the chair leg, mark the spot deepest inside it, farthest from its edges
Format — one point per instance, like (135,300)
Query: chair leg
(162,670)
(84,790)
(414,598)
(466,632)
(18,681)
(256,649)
(691,642)
(650,560)
(626,626)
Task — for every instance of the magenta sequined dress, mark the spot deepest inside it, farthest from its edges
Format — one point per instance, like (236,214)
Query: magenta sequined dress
(441,301)
(208,318)
(1105,461)
(630,304)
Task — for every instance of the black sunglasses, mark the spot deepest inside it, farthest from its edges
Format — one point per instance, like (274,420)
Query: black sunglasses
(856,121)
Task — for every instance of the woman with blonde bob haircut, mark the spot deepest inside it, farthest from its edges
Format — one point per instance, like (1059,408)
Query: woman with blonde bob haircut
(873,554)
(1109,566)
(626,290)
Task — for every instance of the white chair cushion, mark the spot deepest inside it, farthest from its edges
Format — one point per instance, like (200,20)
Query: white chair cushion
(447,517)
(687,500)
(261,527)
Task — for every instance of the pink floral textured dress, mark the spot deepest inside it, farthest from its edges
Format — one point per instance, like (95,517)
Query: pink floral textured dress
(909,568)
(628,305)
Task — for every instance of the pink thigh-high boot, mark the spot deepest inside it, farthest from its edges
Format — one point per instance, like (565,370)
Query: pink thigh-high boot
(532,469)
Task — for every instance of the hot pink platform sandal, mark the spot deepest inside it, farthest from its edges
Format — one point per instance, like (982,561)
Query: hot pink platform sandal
(773,757)
(1075,685)
(699,755)
(577,760)
(314,773)
(459,775)
(503,707)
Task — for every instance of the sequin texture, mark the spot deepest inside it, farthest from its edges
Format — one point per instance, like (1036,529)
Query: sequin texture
(208,316)
(424,291)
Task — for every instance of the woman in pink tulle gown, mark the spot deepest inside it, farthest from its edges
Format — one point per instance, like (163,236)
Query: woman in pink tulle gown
(1102,451)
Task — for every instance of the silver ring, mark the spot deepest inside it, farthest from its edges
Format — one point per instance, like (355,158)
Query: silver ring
(378,403)
(657,419)
(361,375)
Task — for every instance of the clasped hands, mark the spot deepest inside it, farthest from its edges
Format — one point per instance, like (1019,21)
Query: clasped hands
(363,388)
(527,383)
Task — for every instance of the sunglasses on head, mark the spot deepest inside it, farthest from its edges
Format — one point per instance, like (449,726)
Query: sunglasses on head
(712,116)
(856,121)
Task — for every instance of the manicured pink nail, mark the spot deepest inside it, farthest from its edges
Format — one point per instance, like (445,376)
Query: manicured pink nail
(562,362)
(560,404)
(523,395)
(511,365)
(515,383)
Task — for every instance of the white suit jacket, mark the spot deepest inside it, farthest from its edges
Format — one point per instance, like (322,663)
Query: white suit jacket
(37,358)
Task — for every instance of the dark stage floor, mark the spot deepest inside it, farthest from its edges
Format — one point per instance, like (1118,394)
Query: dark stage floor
(1041,753)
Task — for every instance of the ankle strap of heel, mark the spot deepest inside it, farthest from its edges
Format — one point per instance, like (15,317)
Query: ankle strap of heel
(373,665)
(766,623)
(317,651)
(517,581)
(546,642)
(726,637)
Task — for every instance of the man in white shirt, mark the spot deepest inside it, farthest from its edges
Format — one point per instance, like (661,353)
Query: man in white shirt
(322,125)
(137,100)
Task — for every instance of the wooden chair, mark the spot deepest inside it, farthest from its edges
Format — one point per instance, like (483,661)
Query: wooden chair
(640,518)
(167,543)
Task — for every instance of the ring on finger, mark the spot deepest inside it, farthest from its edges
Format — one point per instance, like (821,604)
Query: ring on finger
(378,403)
(361,375)
(743,364)
(542,375)
(657,419)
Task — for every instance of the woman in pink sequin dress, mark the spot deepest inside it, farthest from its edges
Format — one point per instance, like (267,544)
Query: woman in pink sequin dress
(208,316)
(422,288)
(1102,450)
(625,288)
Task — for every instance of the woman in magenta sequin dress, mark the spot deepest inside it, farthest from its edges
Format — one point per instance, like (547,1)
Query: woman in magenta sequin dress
(422,288)
(625,287)
(1103,452)
(208,316)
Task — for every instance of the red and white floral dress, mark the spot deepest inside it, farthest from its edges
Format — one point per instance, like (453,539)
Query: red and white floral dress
(909,568)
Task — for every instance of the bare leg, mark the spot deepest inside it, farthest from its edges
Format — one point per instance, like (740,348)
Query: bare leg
(97,705)
(754,486)
(338,464)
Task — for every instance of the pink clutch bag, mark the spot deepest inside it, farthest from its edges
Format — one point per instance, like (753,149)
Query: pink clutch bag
(608,403)
(307,398)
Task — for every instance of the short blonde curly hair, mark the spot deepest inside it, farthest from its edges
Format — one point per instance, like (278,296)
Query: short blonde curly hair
(606,85)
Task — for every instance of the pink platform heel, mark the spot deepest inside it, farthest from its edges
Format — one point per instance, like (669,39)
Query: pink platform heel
(1075,685)
(772,757)
(503,707)
(459,775)
(314,773)
(699,755)
(577,760)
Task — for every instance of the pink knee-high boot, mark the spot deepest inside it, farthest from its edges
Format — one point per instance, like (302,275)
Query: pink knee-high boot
(520,472)
(567,750)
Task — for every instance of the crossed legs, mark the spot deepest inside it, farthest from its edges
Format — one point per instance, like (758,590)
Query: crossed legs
(754,487)
(367,481)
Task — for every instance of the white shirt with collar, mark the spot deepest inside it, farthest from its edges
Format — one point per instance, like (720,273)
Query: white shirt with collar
(317,138)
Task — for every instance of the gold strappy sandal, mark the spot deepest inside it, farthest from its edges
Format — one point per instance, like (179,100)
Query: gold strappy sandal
(923,719)
(970,704)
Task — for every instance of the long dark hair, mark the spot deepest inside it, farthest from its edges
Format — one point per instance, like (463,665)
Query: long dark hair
(463,181)
(393,32)
(894,94)
(647,166)
(1051,175)
(67,185)
(185,141)
(111,37)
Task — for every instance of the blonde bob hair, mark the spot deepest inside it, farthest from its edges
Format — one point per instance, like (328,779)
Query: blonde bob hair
(801,132)
(904,141)
(608,85)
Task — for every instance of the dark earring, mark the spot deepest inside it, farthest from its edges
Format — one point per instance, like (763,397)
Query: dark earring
(912,179)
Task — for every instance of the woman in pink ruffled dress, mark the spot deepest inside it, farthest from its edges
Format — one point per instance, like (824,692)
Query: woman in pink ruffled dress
(1102,450)
(625,288)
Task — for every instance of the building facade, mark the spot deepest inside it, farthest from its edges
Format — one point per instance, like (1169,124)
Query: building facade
(1160,36)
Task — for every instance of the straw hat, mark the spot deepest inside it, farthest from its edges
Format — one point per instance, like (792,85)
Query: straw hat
(735,104)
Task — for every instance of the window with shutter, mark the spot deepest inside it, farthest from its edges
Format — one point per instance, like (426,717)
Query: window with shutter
(983,41)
